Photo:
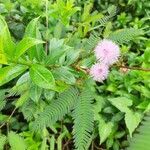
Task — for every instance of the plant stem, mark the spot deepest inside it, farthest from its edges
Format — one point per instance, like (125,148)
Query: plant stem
(7,121)
(47,25)
(134,68)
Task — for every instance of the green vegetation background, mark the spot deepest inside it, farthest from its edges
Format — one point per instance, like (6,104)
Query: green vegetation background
(115,118)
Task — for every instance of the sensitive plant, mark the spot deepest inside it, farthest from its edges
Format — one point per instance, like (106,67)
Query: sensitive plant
(54,85)
(99,72)
(107,53)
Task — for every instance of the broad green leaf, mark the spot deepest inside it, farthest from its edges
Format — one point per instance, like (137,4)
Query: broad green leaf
(132,120)
(10,72)
(116,145)
(98,106)
(105,129)
(71,57)
(32,31)
(35,92)
(117,117)
(24,78)
(3,59)
(31,28)
(61,86)
(3,118)
(147,55)
(49,94)
(16,141)
(120,134)
(58,30)
(56,49)
(23,98)
(109,143)
(122,103)
(143,90)
(55,44)
(5,40)
(86,12)
(42,77)
(64,74)
(24,45)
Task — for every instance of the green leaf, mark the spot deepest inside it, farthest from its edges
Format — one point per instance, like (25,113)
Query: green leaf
(31,28)
(35,92)
(32,31)
(57,109)
(105,129)
(42,77)
(49,94)
(58,30)
(2,141)
(116,145)
(141,138)
(120,134)
(64,74)
(2,99)
(16,142)
(10,72)
(83,116)
(24,45)
(71,57)
(147,55)
(3,59)
(109,143)
(23,98)
(5,40)
(60,139)
(132,120)
(122,103)
(52,143)
(125,35)
(56,49)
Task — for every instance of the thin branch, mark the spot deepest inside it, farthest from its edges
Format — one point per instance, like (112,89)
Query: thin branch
(92,145)
(47,25)
(7,121)
(99,148)
(135,68)
(65,145)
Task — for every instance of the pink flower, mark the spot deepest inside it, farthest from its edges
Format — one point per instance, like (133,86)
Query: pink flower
(99,72)
(107,52)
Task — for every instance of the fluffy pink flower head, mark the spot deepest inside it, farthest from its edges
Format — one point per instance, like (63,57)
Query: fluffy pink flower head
(107,52)
(99,72)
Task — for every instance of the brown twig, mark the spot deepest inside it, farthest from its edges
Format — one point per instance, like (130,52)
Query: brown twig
(135,68)
(7,121)
(99,148)
(92,145)
(69,141)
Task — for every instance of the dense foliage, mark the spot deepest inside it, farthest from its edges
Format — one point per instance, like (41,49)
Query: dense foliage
(48,100)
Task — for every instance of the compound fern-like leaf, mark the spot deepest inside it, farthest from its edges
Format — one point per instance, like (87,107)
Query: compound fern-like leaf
(57,109)
(125,35)
(83,120)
